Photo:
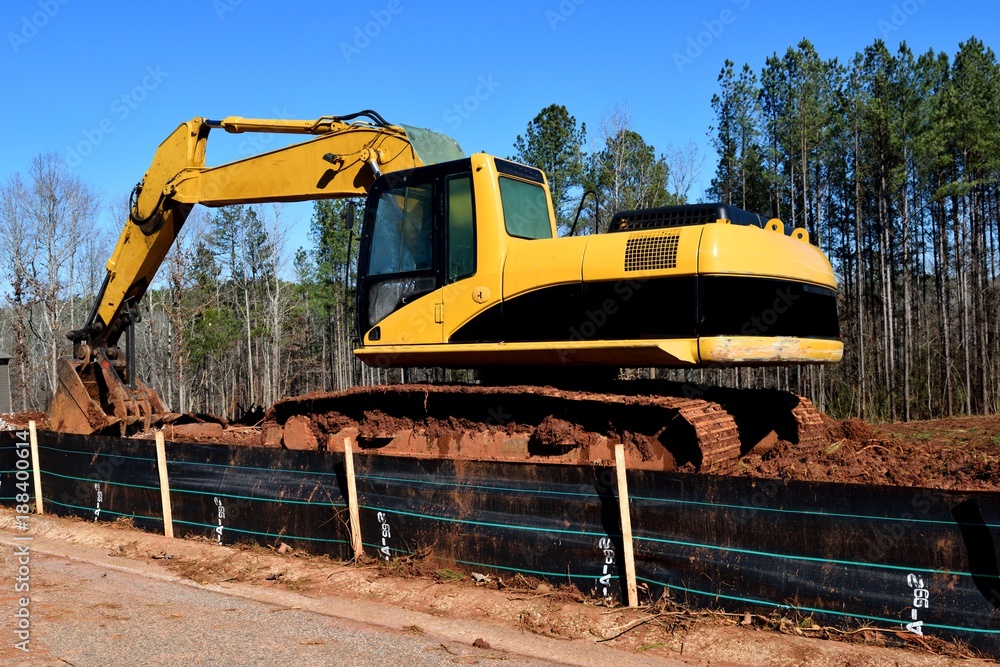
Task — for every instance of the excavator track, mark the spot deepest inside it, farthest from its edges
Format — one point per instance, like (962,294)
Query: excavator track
(716,432)
(514,423)
(812,429)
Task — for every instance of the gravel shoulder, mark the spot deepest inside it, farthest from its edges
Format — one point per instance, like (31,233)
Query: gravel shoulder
(112,593)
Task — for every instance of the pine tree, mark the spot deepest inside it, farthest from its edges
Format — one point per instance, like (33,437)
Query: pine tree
(554,143)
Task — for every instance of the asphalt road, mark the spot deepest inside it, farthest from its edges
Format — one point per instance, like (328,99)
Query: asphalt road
(85,614)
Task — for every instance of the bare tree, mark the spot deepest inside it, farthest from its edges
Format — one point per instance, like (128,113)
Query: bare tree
(61,209)
(15,245)
(278,305)
(685,163)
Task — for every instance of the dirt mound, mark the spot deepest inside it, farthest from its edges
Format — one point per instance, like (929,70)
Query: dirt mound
(857,430)
(957,454)
(19,420)
(553,431)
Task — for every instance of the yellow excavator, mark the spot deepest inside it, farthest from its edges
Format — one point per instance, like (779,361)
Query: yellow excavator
(460,266)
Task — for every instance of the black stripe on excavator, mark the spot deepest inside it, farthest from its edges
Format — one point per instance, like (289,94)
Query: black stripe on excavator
(673,307)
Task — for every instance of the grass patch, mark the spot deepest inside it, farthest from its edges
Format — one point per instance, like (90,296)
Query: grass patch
(448,575)
(995,440)
(646,647)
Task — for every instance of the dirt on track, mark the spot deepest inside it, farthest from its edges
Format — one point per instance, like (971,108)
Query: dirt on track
(960,453)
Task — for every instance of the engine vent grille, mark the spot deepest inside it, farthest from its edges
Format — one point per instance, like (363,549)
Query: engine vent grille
(633,221)
(651,252)
(682,216)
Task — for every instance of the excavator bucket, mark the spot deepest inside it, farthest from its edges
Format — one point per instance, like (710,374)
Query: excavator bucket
(91,398)
(74,409)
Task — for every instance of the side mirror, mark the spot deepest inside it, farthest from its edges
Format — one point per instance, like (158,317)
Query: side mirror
(351,213)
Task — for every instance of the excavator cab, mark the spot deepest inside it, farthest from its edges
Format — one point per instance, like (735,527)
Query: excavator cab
(417,237)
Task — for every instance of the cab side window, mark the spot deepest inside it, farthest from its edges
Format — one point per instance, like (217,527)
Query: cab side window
(525,209)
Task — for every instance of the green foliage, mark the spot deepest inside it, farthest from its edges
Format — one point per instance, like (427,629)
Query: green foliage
(892,163)
(627,174)
(553,143)
(204,267)
(740,177)
(240,244)
(447,575)
(322,270)
(330,234)
(212,333)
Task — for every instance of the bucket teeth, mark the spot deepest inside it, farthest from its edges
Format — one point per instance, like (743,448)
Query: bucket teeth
(91,398)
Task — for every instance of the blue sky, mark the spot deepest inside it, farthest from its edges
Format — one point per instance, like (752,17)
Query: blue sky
(102,83)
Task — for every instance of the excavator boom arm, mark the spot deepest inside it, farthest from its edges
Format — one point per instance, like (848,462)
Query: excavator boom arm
(342,157)
(341,161)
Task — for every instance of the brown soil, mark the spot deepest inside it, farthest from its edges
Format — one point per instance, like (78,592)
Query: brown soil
(959,453)
(419,584)
(21,419)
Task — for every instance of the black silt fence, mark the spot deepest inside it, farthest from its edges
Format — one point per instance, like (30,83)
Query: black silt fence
(901,559)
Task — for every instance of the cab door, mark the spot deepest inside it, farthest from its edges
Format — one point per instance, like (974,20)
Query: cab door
(399,267)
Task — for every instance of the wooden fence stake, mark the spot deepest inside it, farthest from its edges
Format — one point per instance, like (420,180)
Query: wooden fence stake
(352,500)
(626,520)
(161,467)
(36,467)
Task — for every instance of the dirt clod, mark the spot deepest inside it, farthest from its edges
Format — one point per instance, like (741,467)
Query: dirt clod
(298,434)
(857,430)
